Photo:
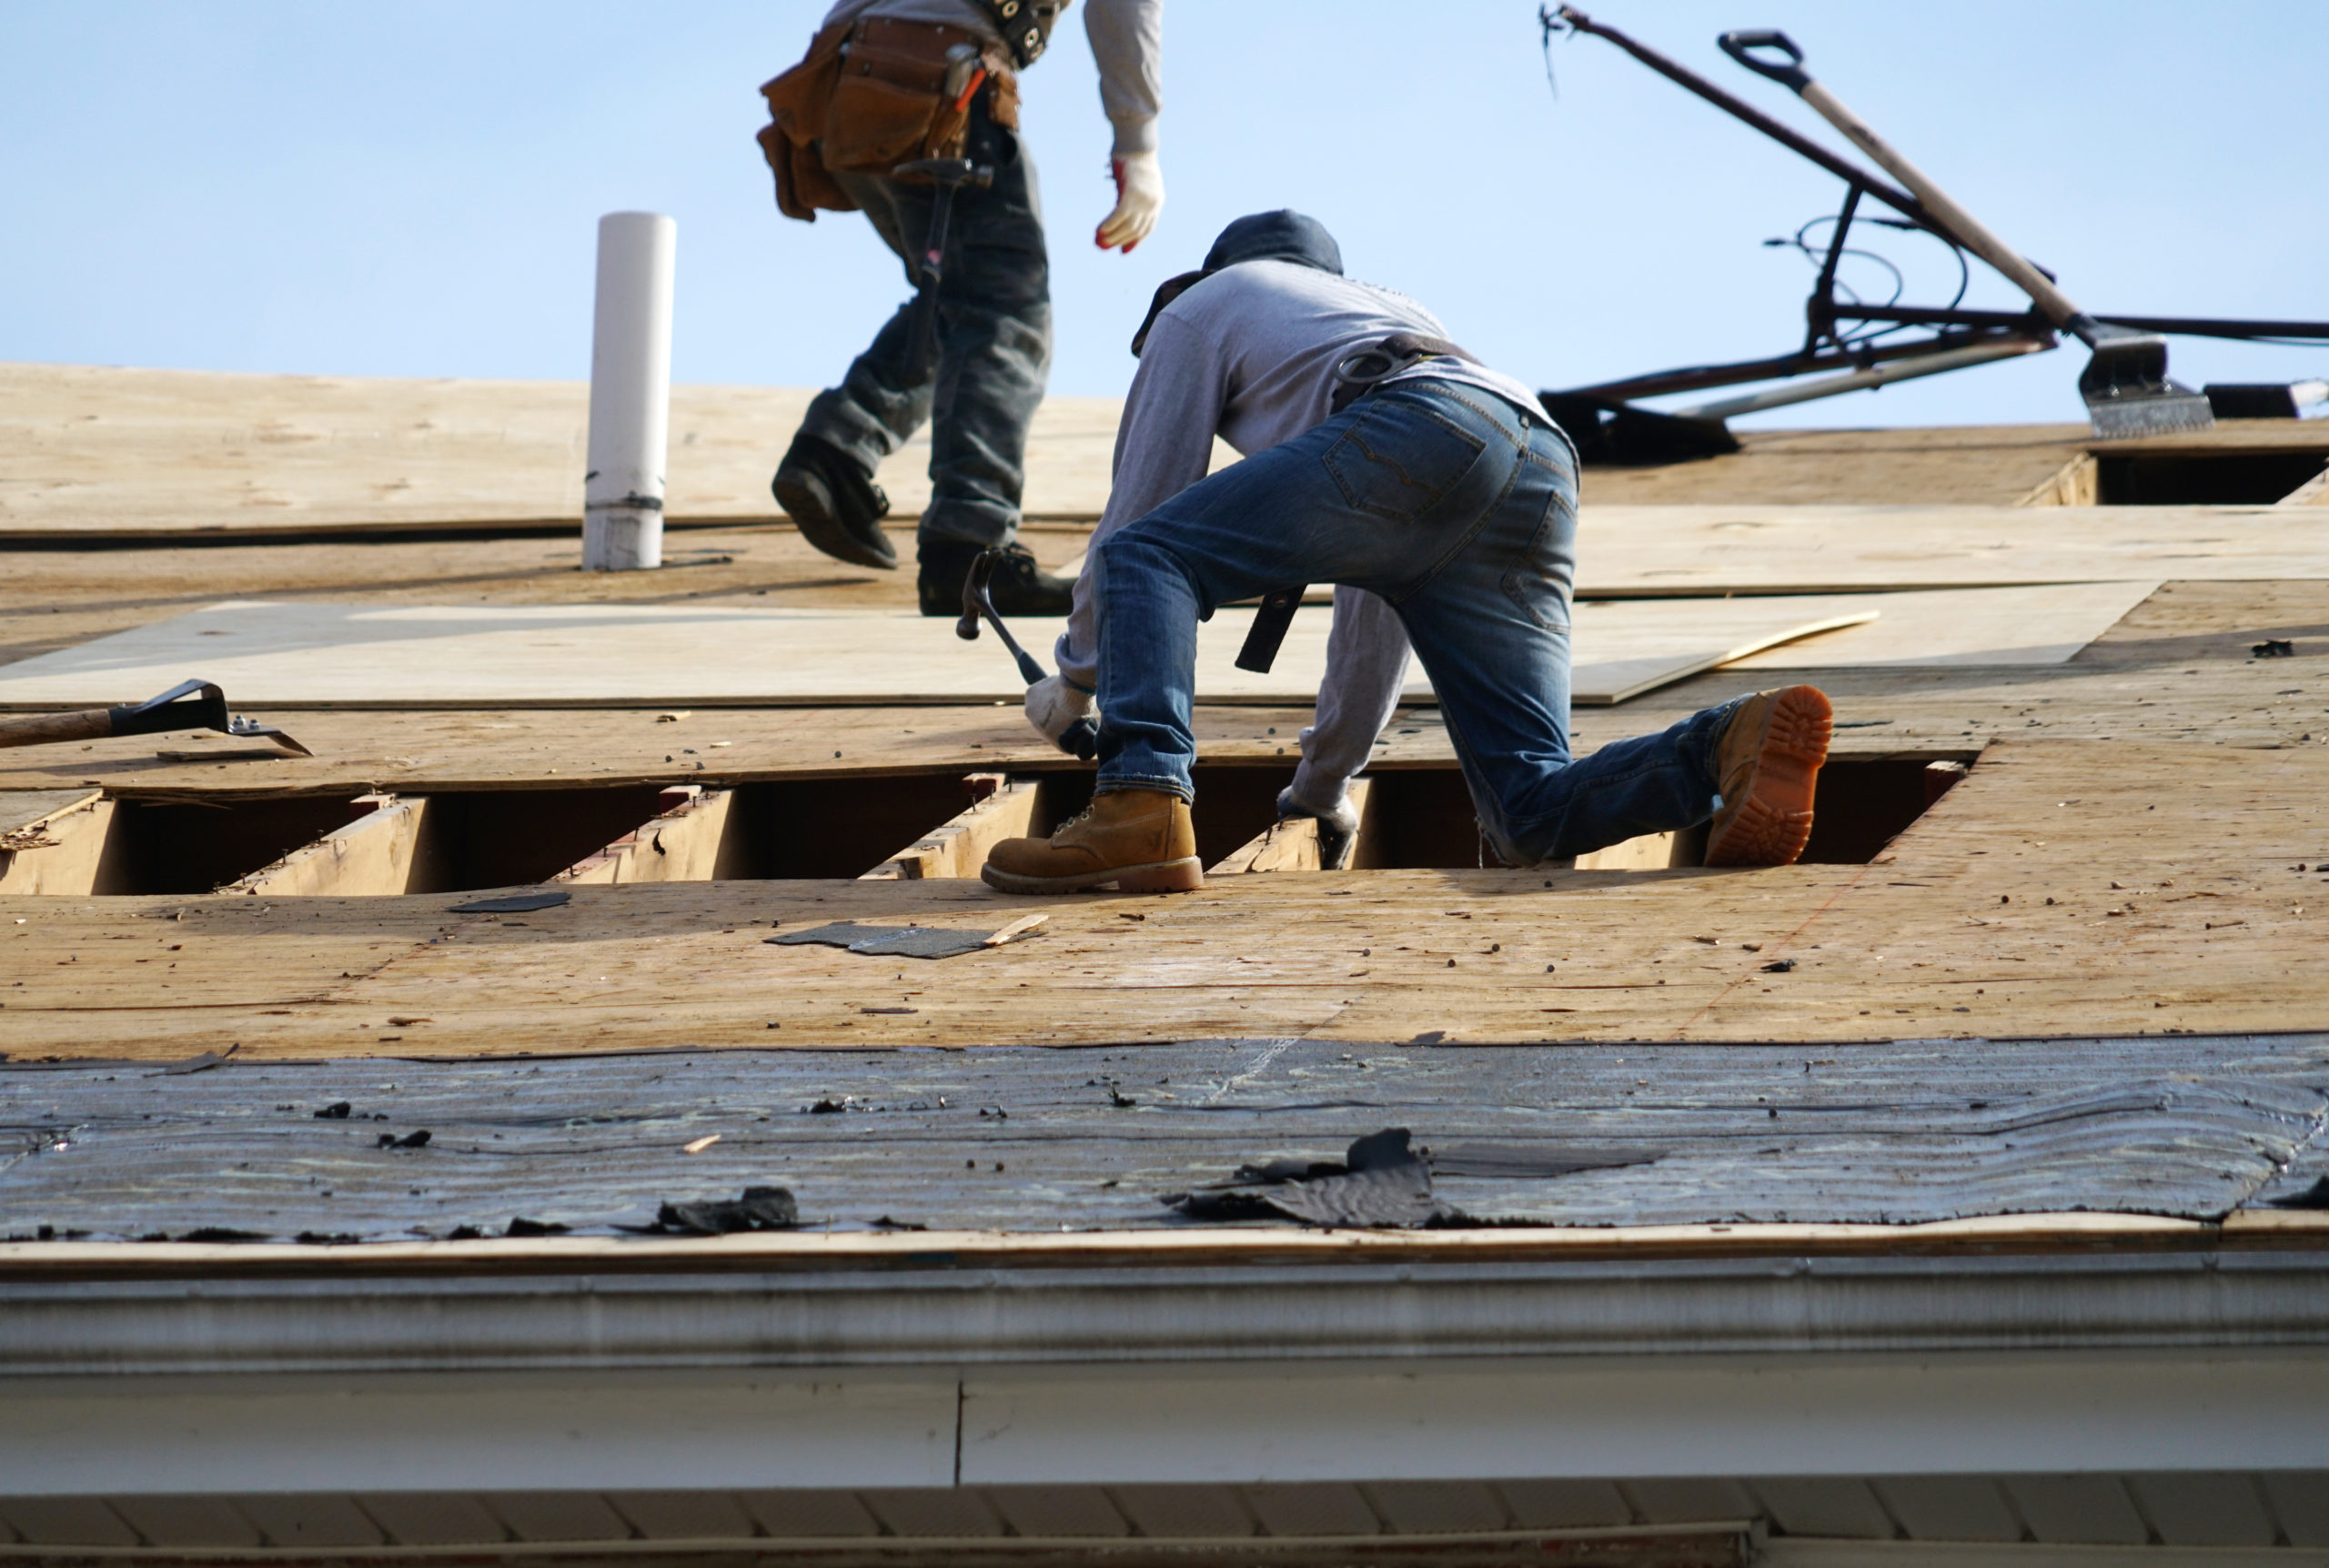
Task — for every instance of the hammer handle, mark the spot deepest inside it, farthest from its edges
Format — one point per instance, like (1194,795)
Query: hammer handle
(46,728)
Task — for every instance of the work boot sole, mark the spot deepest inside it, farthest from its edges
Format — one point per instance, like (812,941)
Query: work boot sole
(1772,825)
(806,502)
(1183,876)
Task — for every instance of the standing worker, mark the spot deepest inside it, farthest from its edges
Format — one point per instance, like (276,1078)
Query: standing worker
(891,83)
(1442,502)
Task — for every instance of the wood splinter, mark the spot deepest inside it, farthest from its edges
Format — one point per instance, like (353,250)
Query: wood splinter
(1015,930)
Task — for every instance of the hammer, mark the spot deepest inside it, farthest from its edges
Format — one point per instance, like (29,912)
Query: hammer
(189,705)
(949,175)
(1082,738)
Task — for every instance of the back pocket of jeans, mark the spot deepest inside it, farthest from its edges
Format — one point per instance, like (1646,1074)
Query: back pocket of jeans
(1537,582)
(1398,459)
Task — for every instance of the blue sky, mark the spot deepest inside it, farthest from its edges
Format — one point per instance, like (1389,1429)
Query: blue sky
(412,189)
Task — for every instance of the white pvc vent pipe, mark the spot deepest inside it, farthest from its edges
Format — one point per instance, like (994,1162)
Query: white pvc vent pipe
(630,394)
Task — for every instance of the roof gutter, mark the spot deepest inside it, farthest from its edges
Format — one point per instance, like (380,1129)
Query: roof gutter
(936,1313)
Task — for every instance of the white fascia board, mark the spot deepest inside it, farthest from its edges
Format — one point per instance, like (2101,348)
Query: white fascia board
(1244,1422)
(1643,1417)
(476,1432)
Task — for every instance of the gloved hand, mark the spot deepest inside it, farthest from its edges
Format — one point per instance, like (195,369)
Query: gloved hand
(1337,826)
(1140,196)
(1052,705)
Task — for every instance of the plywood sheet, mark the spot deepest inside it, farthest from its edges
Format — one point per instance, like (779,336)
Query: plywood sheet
(110,452)
(88,450)
(1647,551)
(104,450)
(1667,640)
(276,654)
(2047,624)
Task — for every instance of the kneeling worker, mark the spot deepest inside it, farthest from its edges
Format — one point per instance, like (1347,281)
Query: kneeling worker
(1442,502)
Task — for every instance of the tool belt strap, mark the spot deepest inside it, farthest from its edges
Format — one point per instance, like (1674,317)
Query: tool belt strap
(1025,25)
(1358,375)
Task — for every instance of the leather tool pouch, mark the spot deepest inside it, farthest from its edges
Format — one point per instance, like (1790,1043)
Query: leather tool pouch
(869,96)
(797,101)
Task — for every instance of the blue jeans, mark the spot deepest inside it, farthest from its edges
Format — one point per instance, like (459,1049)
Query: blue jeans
(995,344)
(1461,512)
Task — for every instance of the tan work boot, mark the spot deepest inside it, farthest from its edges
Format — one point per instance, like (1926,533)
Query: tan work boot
(1768,764)
(1140,839)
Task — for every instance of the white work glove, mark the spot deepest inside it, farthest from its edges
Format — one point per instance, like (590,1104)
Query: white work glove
(1340,816)
(1140,196)
(1052,705)
(1337,825)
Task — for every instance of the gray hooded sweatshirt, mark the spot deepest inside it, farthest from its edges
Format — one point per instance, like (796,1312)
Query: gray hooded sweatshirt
(1250,354)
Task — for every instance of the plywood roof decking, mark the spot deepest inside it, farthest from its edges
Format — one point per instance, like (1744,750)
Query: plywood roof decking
(99,451)
(1736,549)
(1949,934)
(2133,683)
(1909,1134)
(102,451)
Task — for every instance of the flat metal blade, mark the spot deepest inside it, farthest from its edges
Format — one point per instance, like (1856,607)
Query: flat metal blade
(251,728)
(2127,412)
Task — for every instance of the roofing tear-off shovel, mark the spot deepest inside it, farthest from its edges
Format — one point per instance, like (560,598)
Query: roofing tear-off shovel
(190,705)
(2125,385)
(1080,739)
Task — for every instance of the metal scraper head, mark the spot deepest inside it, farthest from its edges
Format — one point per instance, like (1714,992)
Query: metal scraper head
(2128,392)
(241,727)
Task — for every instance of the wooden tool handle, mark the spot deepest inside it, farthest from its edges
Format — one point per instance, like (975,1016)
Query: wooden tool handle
(1973,234)
(44,729)
(1770,53)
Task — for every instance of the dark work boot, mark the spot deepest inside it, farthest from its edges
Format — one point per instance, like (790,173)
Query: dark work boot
(835,503)
(1019,586)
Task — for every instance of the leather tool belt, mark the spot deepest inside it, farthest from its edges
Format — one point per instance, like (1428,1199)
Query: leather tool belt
(1356,375)
(874,93)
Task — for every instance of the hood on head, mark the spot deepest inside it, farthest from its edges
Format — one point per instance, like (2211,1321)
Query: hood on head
(1281,236)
